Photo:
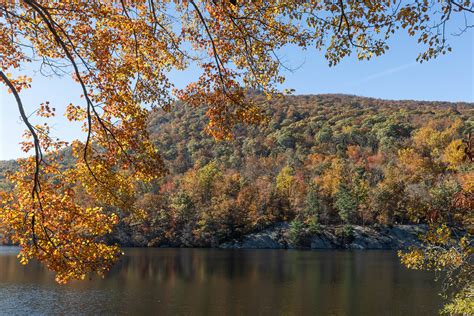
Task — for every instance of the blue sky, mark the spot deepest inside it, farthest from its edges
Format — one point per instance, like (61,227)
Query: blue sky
(395,75)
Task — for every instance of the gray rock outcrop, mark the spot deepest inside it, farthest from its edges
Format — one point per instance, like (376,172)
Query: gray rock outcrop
(330,237)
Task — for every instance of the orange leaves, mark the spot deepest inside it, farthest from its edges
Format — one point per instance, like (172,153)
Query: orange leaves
(21,82)
(124,51)
(75,113)
(411,161)
(331,179)
(54,229)
(45,110)
(122,54)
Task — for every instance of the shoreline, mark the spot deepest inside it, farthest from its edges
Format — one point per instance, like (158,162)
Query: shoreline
(279,236)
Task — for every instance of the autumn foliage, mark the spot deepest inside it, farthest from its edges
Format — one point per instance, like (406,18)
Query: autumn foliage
(121,54)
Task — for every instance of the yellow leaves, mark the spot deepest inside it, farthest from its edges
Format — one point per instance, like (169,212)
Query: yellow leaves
(75,113)
(427,137)
(438,235)
(411,161)
(454,154)
(462,303)
(331,179)
(20,82)
(285,180)
(440,252)
(429,259)
(58,232)
(413,259)
(123,57)
(23,260)
(434,140)
(137,216)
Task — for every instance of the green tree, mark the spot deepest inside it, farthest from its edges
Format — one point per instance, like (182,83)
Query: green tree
(296,232)
(312,210)
(346,204)
(207,178)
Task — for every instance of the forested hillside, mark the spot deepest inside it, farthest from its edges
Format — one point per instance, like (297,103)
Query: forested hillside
(323,159)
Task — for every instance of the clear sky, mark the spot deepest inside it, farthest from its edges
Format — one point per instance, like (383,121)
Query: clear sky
(395,76)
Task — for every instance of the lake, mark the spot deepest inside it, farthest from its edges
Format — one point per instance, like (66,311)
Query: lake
(226,282)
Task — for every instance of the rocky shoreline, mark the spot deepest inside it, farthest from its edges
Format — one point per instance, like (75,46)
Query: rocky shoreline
(278,236)
(333,237)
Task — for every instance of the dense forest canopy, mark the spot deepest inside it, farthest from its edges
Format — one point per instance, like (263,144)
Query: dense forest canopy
(322,159)
(317,160)
(356,164)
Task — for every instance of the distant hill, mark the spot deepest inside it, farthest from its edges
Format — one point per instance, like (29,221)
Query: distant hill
(319,159)
(294,126)
(294,121)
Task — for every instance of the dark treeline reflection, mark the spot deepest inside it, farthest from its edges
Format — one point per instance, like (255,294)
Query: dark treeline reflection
(226,282)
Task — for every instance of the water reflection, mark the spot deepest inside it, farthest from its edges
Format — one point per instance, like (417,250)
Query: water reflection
(226,282)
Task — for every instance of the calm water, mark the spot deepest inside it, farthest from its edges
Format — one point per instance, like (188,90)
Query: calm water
(226,282)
